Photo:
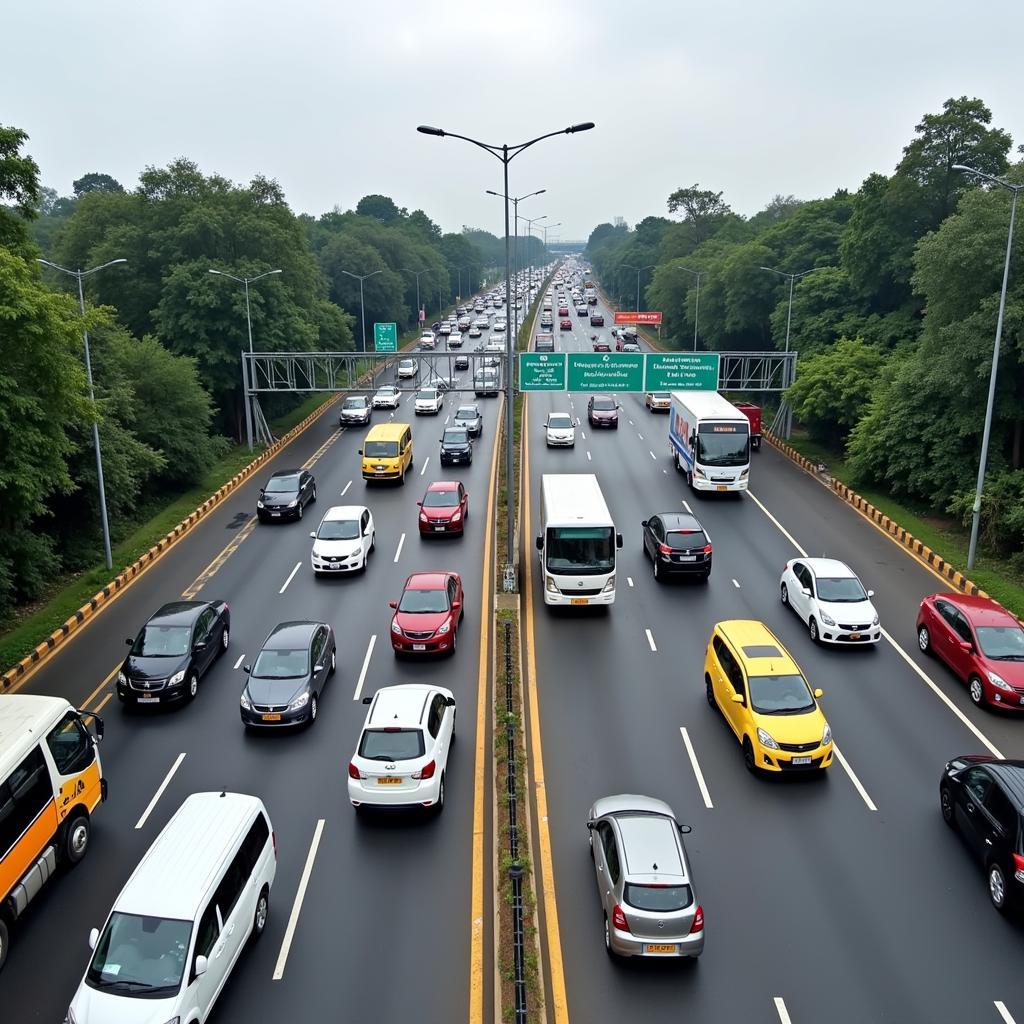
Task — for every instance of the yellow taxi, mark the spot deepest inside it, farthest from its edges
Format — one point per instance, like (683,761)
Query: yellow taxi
(762,694)
(387,452)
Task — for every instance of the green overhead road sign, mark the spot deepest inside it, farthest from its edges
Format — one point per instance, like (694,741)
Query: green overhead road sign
(681,371)
(605,371)
(385,337)
(542,371)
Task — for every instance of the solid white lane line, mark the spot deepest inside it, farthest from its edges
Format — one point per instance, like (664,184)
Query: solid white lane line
(401,541)
(160,792)
(366,665)
(241,658)
(641,436)
(349,484)
(853,777)
(652,455)
(736,584)
(588,457)
(102,703)
(686,505)
(446,419)
(1003,1012)
(629,580)
(696,769)
(300,895)
(650,639)
(665,471)
(785,533)
(631,423)
(426,462)
(291,576)
(780,1009)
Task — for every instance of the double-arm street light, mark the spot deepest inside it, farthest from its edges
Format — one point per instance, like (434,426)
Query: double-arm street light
(639,271)
(245,281)
(529,222)
(546,228)
(793,278)
(416,274)
(78,275)
(515,200)
(362,305)
(505,154)
(696,307)
(986,433)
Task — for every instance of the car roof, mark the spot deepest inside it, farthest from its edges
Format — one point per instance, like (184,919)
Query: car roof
(342,512)
(24,719)
(427,580)
(468,408)
(830,568)
(387,387)
(296,633)
(285,472)
(982,611)
(443,485)
(680,521)
(387,431)
(761,649)
(406,704)
(649,844)
(1011,775)
(178,613)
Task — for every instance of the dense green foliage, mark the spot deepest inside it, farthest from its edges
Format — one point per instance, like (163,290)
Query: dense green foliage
(894,326)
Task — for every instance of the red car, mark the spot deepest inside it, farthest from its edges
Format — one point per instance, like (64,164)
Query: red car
(980,641)
(427,616)
(597,320)
(563,310)
(565,325)
(444,508)
(602,345)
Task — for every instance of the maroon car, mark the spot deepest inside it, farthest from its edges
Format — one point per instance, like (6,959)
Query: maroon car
(603,411)
(980,641)
(428,614)
(597,320)
(565,324)
(444,508)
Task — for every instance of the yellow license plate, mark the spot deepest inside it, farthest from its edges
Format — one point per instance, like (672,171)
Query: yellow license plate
(721,487)
(855,636)
(271,718)
(660,947)
(578,600)
(388,780)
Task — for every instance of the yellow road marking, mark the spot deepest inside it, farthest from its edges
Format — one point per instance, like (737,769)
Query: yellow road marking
(476,912)
(547,879)
(110,675)
(102,703)
(190,591)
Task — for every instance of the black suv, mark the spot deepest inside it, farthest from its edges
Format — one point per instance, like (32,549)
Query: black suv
(287,493)
(677,546)
(982,798)
(456,446)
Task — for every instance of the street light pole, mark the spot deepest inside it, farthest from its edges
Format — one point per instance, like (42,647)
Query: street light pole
(696,308)
(639,271)
(529,232)
(986,433)
(78,275)
(362,305)
(544,228)
(516,200)
(792,280)
(505,153)
(416,274)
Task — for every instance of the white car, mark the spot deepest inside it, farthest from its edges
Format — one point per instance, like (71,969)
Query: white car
(831,600)
(454,339)
(499,326)
(343,541)
(429,400)
(407,368)
(474,331)
(402,754)
(387,397)
(427,338)
(496,343)
(560,430)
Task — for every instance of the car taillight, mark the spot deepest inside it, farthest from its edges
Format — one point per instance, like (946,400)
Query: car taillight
(427,772)
(707,549)
(1018,867)
(619,919)
(698,921)
(353,771)
(664,549)
(273,836)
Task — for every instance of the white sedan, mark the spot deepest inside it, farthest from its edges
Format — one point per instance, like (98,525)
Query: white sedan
(343,541)
(429,400)
(387,397)
(831,600)
(560,430)
(407,368)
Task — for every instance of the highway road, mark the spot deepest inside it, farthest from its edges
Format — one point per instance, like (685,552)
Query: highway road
(842,898)
(384,931)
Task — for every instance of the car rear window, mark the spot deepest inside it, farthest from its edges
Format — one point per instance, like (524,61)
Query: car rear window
(657,898)
(391,744)
(686,540)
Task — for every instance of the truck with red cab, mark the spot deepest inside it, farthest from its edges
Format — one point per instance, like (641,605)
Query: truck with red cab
(753,413)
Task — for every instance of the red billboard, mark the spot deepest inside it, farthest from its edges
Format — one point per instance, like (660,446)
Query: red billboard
(638,318)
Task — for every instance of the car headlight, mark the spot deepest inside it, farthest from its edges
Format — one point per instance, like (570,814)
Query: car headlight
(423,517)
(300,702)
(826,618)
(245,702)
(766,740)
(259,503)
(550,584)
(745,472)
(122,678)
(610,585)
(698,473)
(874,621)
(826,736)
(444,628)
(999,682)
(395,627)
(176,678)
(456,516)
(292,504)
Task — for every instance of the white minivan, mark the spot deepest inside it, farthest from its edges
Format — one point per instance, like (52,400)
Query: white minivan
(180,923)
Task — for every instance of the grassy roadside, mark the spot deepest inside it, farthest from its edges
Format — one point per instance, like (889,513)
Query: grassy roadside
(943,535)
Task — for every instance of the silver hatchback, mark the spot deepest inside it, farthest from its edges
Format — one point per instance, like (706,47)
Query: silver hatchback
(643,879)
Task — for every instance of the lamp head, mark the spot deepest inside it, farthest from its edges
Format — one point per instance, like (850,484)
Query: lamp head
(426,129)
(583,126)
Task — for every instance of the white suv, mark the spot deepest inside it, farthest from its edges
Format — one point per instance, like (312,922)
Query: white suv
(402,754)
(407,368)
(429,400)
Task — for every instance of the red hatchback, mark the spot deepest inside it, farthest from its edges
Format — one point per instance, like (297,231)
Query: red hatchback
(980,641)
(565,324)
(428,614)
(563,310)
(444,508)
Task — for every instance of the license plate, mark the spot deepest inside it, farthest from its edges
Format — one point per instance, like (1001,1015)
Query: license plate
(275,513)
(659,947)
(578,600)
(855,636)
(378,471)
(419,647)
(801,760)
(438,529)
(687,558)
(335,565)
(156,700)
(721,487)
(388,780)
(271,718)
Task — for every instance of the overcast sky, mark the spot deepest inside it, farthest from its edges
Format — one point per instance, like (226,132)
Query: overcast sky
(750,98)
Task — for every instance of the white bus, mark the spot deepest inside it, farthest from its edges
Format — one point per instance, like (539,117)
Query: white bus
(577,541)
(710,441)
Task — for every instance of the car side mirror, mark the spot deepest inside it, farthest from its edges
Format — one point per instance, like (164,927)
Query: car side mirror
(419,504)
(871,593)
(359,451)
(685,829)
(738,698)
(618,540)
(313,534)
(247,669)
(643,522)
(540,543)
(367,700)
(129,641)
(966,646)
(262,491)
(819,693)
(94,937)
(201,965)
(591,825)
(456,605)
(449,702)
(392,604)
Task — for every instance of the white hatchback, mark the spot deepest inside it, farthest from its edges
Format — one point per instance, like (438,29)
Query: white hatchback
(343,541)
(560,430)
(407,368)
(831,600)
(402,754)
(387,397)
(429,400)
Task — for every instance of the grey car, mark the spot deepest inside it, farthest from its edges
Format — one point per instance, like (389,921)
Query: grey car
(643,879)
(355,409)
(468,416)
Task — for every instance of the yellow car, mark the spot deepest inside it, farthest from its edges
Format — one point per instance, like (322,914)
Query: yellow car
(762,694)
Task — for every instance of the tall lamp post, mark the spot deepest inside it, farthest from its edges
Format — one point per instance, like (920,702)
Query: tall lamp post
(639,271)
(78,275)
(417,273)
(516,200)
(793,278)
(529,222)
(506,154)
(696,307)
(362,305)
(986,433)
(545,228)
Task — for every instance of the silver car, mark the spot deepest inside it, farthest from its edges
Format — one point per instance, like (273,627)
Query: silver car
(643,879)
(355,409)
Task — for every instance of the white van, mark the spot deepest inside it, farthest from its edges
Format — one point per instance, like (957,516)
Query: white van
(178,926)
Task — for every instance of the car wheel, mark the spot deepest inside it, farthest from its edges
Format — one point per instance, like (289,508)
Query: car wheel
(976,691)
(706,576)
(709,692)
(784,594)
(608,939)
(314,708)
(657,571)
(924,640)
(312,497)
(301,507)
(225,639)
(373,541)
(997,889)
(193,685)
(748,756)
(259,918)
(334,661)
(76,839)
(812,629)
(946,806)
(455,634)
(439,806)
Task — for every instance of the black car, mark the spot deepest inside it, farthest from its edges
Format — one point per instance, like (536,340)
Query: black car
(468,416)
(172,651)
(982,798)
(355,409)
(287,679)
(462,362)
(677,545)
(287,493)
(456,446)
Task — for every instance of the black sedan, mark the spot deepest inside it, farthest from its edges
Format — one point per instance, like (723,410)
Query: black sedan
(287,493)
(677,545)
(287,679)
(456,446)
(468,416)
(172,651)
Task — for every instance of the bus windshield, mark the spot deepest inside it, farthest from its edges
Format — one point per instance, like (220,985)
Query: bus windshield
(581,550)
(732,449)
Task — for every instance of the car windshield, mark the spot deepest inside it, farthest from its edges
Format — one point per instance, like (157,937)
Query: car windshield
(840,590)
(726,449)
(685,540)
(780,695)
(354,403)
(162,641)
(657,898)
(456,437)
(424,601)
(388,392)
(380,449)
(285,664)
(467,414)
(1003,643)
(429,395)
(282,485)
(140,957)
(391,744)
(338,529)
(604,404)
(561,421)
(441,499)
(581,550)
(407,364)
